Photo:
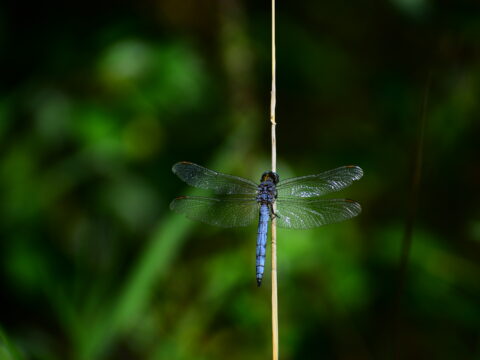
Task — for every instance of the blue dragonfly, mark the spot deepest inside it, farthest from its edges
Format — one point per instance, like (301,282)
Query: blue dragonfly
(238,201)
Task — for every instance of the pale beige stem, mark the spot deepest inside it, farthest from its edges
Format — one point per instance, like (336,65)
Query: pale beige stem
(273,102)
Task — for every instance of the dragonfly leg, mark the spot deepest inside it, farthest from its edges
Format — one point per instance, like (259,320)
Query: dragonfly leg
(272,213)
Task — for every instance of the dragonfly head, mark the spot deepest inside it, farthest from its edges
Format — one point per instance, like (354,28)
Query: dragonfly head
(270,176)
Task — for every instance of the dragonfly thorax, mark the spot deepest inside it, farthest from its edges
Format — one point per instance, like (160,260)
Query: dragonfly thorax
(267,192)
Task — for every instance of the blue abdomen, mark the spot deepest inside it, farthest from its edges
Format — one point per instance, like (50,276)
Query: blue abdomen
(262,241)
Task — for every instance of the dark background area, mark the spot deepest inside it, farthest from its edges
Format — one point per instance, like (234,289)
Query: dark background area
(99,99)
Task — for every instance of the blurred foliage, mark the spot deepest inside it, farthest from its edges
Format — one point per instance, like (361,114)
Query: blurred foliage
(98,100)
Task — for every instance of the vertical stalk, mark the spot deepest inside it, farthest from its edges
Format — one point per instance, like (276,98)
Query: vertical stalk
(273,101)
(412,212)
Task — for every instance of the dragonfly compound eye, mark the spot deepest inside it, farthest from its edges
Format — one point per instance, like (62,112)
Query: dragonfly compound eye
(270,175)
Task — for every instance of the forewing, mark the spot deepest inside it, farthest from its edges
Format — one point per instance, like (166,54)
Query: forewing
(311,213)
(320,184)
(224,212)
(203,178)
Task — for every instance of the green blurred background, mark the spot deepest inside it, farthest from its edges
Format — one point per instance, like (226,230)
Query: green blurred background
(99,99)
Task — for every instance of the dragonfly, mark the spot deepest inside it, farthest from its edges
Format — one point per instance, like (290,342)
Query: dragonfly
(238,201)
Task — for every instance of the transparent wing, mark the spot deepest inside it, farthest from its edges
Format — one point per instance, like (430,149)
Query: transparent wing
(224,212)
(310,213)
(203,178)
(320,184)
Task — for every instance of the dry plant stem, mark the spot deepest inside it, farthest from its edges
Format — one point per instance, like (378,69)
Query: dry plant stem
(273,101)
